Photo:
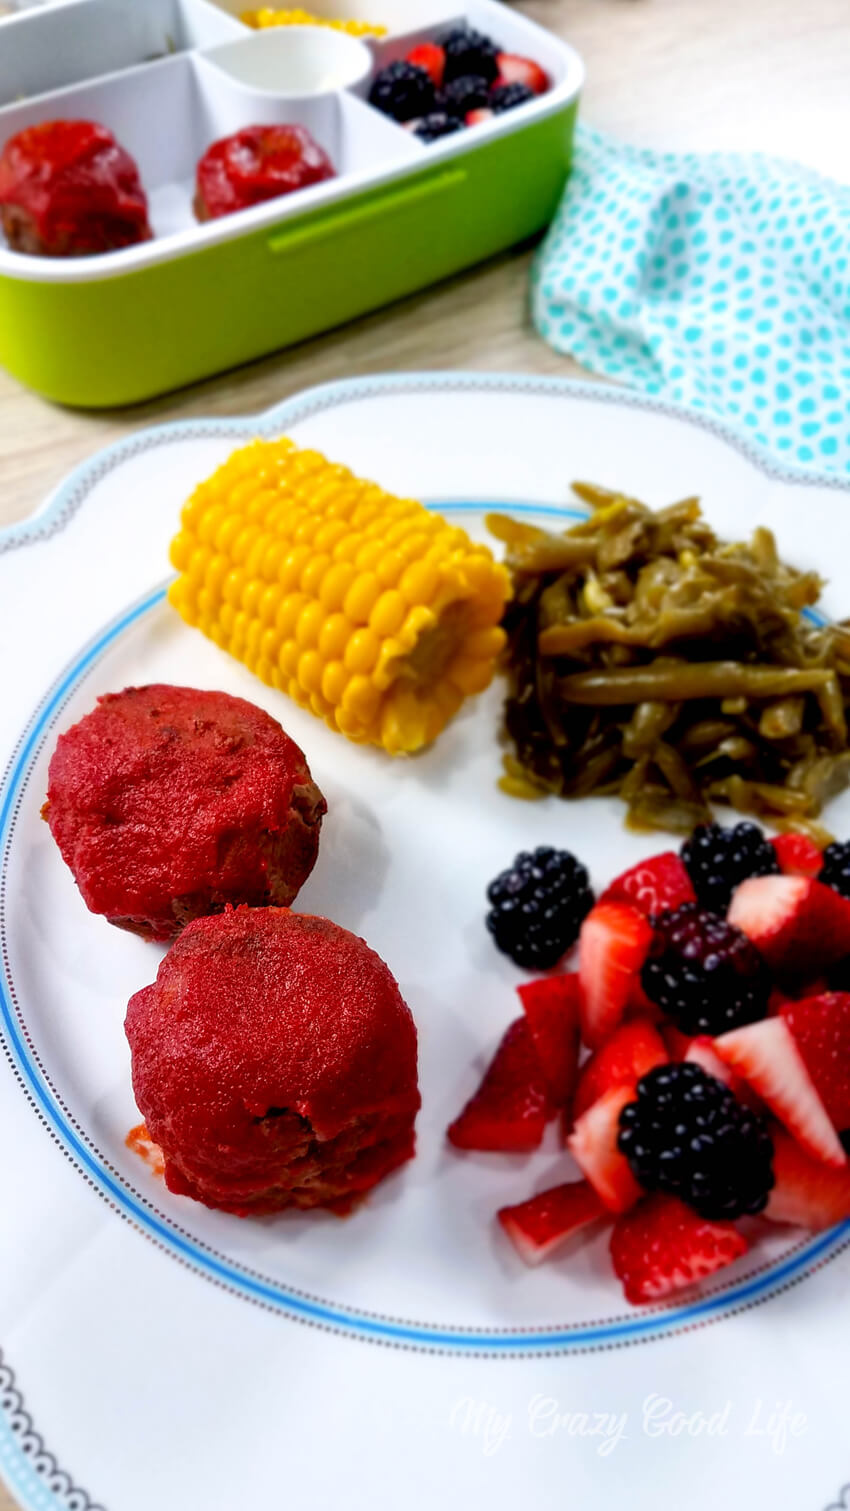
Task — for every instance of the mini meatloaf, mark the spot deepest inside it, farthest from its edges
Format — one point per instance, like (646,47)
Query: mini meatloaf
(257,164)
(168,803)
(69,189)
(274,1063)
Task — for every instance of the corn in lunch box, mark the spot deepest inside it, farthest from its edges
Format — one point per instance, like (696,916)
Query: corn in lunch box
(169,77)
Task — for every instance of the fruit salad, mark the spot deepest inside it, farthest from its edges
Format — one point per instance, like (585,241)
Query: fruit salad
(695,1051)
(462,79)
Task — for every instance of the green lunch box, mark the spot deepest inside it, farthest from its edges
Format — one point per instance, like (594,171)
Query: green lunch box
(169,77)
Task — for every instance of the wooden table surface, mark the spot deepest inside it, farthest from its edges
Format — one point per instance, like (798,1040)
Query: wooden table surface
(767,75)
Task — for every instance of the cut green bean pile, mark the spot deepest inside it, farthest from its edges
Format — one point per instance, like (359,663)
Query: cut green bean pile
(649,659)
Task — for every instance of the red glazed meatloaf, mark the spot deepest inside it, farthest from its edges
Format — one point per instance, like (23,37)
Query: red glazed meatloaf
(168,803)
(69,189)
(274,1063)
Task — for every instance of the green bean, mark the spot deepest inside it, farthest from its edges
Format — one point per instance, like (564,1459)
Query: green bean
(688,680)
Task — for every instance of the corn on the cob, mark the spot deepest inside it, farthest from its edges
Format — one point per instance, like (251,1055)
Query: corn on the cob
(369,610)
(267,16)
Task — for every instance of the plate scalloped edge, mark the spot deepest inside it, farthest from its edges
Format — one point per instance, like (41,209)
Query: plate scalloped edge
(30,1470)
(63,504)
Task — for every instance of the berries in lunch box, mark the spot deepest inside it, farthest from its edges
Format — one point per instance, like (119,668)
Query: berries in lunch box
(538,906)
(430,57)
(507,96)
(461,96)
(403,91)
(718,859)
(468,51)
(478,117)
(704,973)
(835,872)
(436,125)
(686,1134)
(516,70)
(662,1247)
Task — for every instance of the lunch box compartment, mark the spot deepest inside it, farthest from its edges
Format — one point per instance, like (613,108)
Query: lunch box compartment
(60,44)
(396,15)
(199,298)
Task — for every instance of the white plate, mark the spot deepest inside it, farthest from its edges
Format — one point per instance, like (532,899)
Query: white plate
(124,1355)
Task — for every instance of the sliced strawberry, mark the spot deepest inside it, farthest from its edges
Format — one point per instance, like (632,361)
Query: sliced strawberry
(539,1227)
(516,70)
(799,925)
(663,1246)
(797,855)
(676,1042)
(510,1109)
(551,1009)
(701,1051)
(807,1193)
(593,1146)
(821,1029)
(613,944)
(654,886)
(430,57)
(633,1049)
(766,1056)
(479,116)
(641,1006)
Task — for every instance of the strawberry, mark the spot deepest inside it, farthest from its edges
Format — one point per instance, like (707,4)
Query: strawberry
(798,925)
(766,1056)
(797,855)
(551,1008)
(640,1006)
(663,1246)
(613,944)
(701,1051)
(821,1029)
(539,1227)
(479,116)
(676,1043)
(510,1109)
(516,70)
(806,1193)
(654,886)
(633,1049)
(430,57)
(593,1146)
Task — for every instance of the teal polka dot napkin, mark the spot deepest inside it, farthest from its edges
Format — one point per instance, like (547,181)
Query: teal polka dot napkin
(721,281)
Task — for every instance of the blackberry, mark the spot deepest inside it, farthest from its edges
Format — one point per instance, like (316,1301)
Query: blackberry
(436,125)
(704,973)
(463,95)
(402,91)
(717,859)
(469,52)
(538,907)
(688,1135)
(508,96)
(836,868)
